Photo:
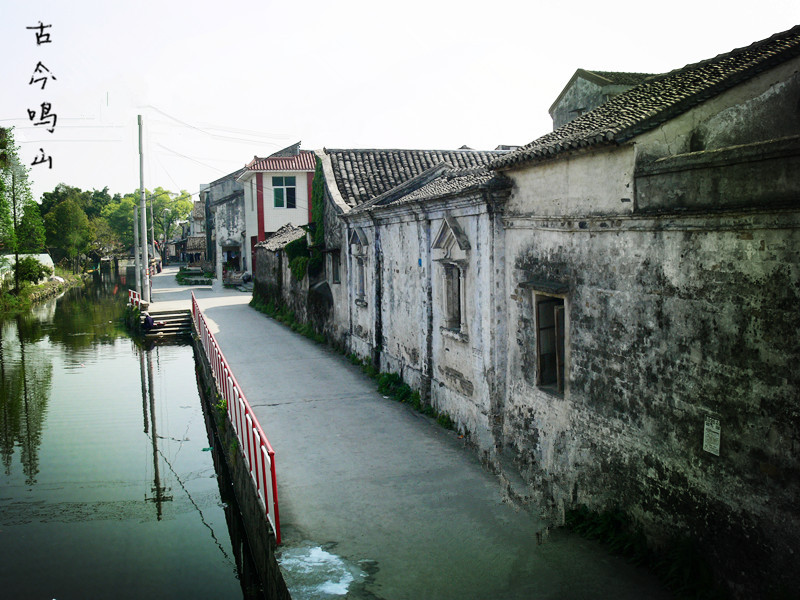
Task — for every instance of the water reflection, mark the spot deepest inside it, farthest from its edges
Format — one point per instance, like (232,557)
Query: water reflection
(25,378)
(160,492)
(107,466)
(90,314)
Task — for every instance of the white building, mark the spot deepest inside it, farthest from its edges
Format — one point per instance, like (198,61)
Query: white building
(277,191)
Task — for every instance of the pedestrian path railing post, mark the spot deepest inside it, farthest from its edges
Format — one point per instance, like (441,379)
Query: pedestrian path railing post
(134,298)
(254,445)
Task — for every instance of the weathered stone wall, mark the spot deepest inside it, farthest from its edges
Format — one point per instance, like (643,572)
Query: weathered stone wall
(229,223)
(405,275)
(462,363)
(337,326)
(275,282)
(268,278)
(763,109)
(669,321)
(587,184)
(294,292)
(362,319)
(453,369)
(681,305)
(725,178)
(582,95)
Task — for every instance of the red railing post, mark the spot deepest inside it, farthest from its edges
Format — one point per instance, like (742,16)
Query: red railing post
(255,445)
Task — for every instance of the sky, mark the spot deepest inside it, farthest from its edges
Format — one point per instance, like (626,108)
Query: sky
(217,83)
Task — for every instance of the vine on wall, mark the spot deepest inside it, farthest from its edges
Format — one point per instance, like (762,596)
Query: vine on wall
(302,258)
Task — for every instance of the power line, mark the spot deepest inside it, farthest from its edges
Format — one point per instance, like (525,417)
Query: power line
(188,157)
(272,136)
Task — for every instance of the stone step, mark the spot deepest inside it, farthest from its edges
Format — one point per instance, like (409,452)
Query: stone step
(175,323)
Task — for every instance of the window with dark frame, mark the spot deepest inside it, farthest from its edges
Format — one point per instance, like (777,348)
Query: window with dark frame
(358,264)
(335,274)
(284,192)
(453,296)
(360,278)
(550,341)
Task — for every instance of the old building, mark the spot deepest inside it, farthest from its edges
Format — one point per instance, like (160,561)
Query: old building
(358,179)
(225,228)
(422,264)
(652,291)
(196,239)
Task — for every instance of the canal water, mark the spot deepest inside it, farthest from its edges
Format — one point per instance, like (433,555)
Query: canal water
(108,486)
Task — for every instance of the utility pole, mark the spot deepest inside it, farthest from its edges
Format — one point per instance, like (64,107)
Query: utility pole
(143,209)
(136,250)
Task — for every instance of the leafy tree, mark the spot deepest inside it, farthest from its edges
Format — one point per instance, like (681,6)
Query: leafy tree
(92,203)
(118,214)
(6,222)
(104,239)
(16,197)
(30,232)
(4,143)
(96,201)
(168,211)
(30,269)
(68,229)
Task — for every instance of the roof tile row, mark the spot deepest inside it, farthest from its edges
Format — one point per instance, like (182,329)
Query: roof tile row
(362,175)
(658,99)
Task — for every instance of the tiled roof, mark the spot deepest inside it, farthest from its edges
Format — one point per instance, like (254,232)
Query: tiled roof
(659,99)
(196,243)
(362,175)
(198,211)
(455,181)
(290,158)
(438,182)
(279,239)
(619,78)
(305,161)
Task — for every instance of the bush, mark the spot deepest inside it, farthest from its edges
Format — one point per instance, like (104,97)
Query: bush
(30,269)
(298,266)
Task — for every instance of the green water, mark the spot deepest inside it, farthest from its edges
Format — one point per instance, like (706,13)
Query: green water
(108,486)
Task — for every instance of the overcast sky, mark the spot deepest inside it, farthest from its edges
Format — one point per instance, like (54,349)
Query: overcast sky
(219,82)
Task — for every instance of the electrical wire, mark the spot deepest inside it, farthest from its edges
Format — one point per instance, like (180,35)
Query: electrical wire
(216,135)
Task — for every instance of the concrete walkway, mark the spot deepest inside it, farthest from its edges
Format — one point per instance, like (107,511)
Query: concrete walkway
(377,501)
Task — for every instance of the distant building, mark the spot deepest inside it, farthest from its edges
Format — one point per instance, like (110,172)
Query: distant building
(225,221)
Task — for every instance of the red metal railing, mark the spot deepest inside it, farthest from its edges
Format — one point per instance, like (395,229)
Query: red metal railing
(255,447)
(134,299)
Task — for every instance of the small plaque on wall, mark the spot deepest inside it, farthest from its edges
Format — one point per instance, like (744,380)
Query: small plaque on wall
(711,436)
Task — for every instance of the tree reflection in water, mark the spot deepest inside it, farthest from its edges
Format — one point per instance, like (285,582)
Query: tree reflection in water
(83,317)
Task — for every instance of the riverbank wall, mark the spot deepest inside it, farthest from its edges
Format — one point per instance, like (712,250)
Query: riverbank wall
(258,531)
